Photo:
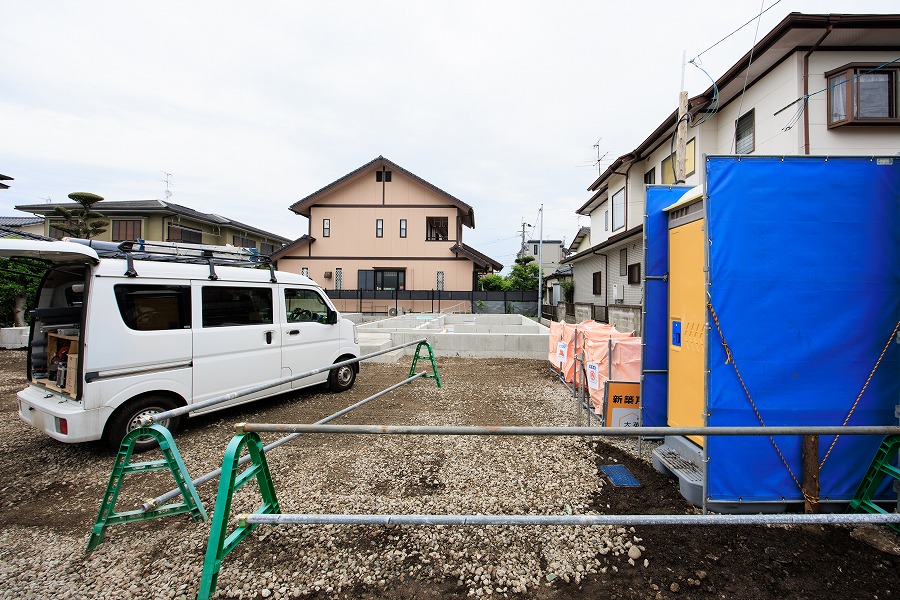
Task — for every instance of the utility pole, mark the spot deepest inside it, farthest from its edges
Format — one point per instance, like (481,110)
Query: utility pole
(522,250)
(681,130)
(540,309)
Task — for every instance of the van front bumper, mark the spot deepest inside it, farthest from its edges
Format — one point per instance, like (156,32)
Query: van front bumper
(44,410)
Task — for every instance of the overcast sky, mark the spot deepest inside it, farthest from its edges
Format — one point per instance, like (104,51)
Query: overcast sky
(251,106)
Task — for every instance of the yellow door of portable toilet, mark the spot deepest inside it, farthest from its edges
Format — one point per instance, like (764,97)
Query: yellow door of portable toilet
(687,313)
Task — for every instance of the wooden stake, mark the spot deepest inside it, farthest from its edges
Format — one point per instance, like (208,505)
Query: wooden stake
(810,455)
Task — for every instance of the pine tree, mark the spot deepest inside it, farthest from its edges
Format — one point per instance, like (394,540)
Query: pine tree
(84,222)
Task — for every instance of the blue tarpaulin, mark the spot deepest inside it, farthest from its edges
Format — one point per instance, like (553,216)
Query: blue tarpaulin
(804,261)
(656,304)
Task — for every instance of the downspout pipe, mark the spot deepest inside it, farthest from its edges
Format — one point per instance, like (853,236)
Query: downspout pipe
(806,87)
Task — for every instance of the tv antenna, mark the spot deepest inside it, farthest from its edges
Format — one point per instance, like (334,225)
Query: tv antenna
(599,158)
(168,183)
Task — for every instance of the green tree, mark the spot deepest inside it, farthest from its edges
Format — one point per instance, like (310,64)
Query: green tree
(18,286)
(491,283)
(524,275)
(568,288)
(84,222)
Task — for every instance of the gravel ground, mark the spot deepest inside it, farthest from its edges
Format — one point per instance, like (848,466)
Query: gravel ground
(50,494)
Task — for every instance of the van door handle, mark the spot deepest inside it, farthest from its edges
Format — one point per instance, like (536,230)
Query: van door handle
(294,332)
(268,337)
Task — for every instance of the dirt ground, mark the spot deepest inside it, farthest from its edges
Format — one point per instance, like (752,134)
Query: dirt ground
(753,562)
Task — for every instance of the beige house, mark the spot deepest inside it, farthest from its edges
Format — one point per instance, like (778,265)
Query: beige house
(163,221)
(383,229)
(815,85)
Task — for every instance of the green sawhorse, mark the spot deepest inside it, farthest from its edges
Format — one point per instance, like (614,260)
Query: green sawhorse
(434,370)
(123,466)
(880,468)
(221,542)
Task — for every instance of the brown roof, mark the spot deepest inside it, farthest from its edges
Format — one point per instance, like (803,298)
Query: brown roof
(300,242)
(302,207)
(796,32)
(482,260)
(603,245)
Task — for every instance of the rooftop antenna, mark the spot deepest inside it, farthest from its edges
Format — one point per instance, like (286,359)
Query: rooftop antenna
(599,158)
(168,183)
(46,200)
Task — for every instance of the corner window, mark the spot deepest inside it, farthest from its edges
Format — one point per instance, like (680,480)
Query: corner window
(618,208)
(227,306)
(597,289)
(436,229)
(863,95)
(154,307)
(187,235)
(379,228)
(326,227)
(743,134)
(623,262)
(126,230)
(403,228)
(650,176)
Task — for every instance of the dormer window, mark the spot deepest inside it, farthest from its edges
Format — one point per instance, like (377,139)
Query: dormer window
(860,94)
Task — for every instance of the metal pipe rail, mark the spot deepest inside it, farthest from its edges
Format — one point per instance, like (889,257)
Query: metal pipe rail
(183,410)
(159,500)
(568,431)
(567,520)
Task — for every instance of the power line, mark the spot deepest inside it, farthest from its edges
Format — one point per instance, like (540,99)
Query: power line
(736,30)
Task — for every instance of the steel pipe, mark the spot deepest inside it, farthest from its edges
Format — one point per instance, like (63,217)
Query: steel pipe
(159,500)
(568,520)
(568,431)
(183,410)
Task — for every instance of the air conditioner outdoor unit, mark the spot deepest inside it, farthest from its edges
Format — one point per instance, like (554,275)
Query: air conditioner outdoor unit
(327,274)
(392,312)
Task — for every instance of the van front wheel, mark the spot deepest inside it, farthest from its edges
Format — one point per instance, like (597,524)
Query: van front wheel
(129,415)
(342,378)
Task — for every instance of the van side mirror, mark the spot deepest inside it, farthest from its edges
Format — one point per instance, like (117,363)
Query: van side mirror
(332,317)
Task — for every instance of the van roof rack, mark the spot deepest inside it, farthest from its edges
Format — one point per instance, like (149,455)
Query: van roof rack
(179,252)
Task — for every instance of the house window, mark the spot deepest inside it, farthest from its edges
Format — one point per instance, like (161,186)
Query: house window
(439,282)
(403,228)
(623,262)
(606,220)
(326,227)
(436,229)
(390,280)
(177,233)
(863,95)
(242,242)
(598,283)
(743,134)
(667,168)
(383,176)
(535,250)
(650,176)
(379,228)
(618,208)
(267,249)
(338,278)
(55,232)
(304,271)
(126,229)
(634,273)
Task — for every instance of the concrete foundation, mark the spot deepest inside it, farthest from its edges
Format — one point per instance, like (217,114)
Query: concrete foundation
(14,337)
(466,335)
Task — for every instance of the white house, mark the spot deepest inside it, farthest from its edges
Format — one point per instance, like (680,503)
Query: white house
(816,84)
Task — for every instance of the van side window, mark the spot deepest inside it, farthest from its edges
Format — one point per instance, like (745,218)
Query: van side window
(305,306)
(231,306)
(154,307)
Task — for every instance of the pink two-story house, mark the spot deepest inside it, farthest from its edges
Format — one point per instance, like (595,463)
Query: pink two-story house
(382,228)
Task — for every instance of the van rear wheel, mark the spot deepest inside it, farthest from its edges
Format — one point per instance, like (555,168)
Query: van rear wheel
(128,417)
(342,378)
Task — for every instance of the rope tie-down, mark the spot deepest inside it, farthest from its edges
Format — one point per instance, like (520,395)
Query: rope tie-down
(811,500)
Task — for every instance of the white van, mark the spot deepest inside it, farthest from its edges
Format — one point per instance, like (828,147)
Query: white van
(119,334)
